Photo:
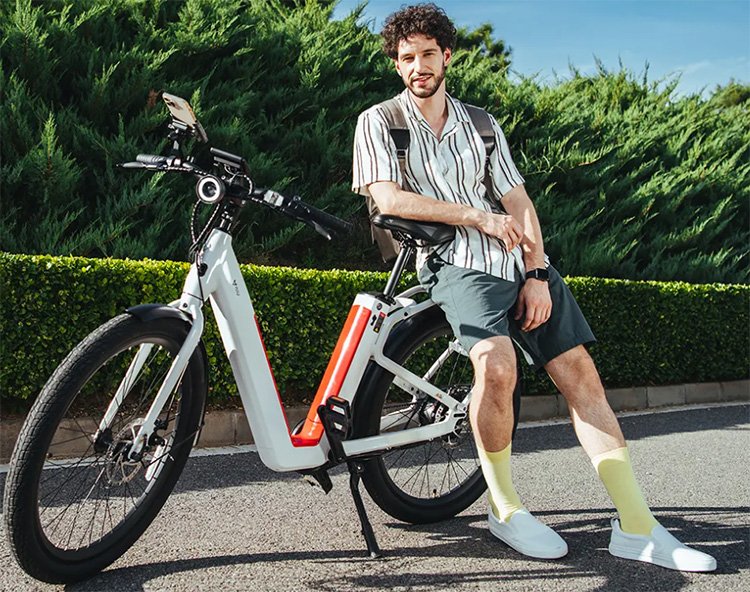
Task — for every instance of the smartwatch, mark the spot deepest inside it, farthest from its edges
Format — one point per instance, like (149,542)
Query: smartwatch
(540,274)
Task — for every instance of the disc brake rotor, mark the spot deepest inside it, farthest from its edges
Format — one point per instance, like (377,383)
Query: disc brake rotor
(119,468)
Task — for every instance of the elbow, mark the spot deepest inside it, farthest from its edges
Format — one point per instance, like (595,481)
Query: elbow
(387,202)
(388,207)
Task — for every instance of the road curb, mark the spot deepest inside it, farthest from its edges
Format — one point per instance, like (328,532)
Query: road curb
(229,427)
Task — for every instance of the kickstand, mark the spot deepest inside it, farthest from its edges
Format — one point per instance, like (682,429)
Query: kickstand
(355,471)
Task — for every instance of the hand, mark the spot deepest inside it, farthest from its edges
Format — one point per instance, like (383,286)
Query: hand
(535,302)
(502,227)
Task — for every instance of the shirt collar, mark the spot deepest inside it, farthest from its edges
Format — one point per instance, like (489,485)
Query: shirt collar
(455,114)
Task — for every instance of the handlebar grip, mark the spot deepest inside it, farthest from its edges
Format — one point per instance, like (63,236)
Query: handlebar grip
(152,159)
(327,220)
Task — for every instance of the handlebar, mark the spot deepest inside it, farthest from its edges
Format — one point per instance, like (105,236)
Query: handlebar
(151,159)
(323,222)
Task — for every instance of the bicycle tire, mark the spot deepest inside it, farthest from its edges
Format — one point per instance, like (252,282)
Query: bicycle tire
(45,467)
(382,482)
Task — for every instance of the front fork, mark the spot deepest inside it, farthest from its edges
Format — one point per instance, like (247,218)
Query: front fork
(192,306)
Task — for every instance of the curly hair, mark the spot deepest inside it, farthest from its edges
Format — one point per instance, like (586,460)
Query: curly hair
(421,19)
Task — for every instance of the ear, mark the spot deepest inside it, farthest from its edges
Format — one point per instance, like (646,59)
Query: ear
(447,55)
(395,63)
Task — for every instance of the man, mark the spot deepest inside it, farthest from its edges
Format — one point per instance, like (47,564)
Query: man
(494,283)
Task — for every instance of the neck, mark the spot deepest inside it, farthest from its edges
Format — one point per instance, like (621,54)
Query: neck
(435,107)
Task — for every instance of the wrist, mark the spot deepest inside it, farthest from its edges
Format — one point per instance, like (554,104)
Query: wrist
(474,217)
(540,274)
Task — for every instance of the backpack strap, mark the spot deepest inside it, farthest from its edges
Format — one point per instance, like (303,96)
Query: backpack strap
(483,124)
(394,116)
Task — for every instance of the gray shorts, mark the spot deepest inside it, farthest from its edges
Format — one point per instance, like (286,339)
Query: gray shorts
(478,306)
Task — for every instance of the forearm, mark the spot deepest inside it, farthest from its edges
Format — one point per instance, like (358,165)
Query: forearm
(398,202)
(518,204)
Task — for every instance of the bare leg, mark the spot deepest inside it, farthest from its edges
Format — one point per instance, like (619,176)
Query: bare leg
(491,409)
(491,416)
(600,435)
(594,421)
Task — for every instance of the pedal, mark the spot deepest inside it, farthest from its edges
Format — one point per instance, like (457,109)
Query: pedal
(336,416)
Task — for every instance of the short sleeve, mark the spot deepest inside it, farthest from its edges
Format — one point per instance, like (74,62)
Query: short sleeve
(374,153)
(505,175)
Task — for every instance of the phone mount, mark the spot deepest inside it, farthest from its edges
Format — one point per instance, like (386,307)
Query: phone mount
(179,130)
(184,124)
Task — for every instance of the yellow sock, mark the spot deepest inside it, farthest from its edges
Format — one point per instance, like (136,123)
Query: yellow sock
(496,469)
(616,472)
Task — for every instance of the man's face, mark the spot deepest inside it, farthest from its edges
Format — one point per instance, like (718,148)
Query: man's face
(421,64)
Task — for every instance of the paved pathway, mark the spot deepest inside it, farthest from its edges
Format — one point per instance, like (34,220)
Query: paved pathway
(234,525)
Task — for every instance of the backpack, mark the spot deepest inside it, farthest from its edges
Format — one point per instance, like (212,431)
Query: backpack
(389,246)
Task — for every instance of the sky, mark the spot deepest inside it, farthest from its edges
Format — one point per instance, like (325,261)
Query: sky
(705,42)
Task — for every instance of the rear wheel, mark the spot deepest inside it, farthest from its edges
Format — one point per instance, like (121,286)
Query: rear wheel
(74,500)
(434,480)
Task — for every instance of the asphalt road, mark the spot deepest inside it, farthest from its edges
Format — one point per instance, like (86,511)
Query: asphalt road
(234,525)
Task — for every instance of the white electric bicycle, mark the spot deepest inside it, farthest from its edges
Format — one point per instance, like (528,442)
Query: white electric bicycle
(111,431)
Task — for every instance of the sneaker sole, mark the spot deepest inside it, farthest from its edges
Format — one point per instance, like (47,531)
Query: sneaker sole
(659,560)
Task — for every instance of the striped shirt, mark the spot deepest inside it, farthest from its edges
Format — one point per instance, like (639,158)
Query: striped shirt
(450,169)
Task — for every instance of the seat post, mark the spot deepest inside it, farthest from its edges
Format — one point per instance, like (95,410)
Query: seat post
(398,269)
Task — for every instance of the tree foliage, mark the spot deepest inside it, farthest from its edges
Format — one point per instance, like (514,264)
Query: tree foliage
(629,180)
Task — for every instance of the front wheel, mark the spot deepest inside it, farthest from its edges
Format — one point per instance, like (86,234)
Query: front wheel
(74,499)
(434,480)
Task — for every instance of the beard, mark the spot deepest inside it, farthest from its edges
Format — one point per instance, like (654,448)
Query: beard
(425,92)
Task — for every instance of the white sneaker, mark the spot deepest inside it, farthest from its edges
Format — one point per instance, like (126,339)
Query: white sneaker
(527,535)
(661,548)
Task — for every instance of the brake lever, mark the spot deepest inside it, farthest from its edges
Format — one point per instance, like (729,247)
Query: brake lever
(319,229)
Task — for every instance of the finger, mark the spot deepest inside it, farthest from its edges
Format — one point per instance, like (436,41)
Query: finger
(528,322)
(540,317)
(519,234)
(518,230)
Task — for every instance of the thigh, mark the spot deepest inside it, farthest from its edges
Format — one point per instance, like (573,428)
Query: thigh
(476,304)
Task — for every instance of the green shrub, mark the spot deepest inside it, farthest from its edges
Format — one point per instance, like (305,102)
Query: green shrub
(649,332)
(630,181)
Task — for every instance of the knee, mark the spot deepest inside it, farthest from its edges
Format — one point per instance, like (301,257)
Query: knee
(496,370)
(494,362)
(583,378)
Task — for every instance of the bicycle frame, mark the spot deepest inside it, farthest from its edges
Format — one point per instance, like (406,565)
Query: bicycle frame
(371,319)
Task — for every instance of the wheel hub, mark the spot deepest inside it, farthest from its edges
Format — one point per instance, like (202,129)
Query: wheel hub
(434,412)
(119,468)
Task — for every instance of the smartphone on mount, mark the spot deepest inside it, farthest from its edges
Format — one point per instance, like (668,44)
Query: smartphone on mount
(182,112)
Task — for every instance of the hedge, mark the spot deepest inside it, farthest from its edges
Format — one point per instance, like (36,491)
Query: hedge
(649,333)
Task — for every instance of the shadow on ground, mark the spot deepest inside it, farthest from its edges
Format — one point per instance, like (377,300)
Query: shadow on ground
(419,568)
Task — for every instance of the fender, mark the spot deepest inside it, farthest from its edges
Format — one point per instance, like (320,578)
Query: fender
(150,312)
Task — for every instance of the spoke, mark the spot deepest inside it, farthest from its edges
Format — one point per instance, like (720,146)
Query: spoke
(76,470)
(106,513)
(84,432)
(72,440)
(398,458)
(90,529)
(59,489)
